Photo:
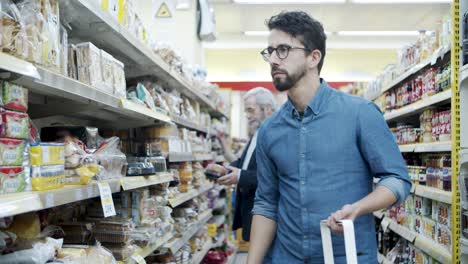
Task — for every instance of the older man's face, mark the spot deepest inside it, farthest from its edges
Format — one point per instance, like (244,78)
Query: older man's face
(255,114)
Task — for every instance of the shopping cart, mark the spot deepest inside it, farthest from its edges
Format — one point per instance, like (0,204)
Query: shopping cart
(350,242)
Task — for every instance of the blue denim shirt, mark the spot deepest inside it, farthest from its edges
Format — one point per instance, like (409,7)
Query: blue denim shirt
(311,167)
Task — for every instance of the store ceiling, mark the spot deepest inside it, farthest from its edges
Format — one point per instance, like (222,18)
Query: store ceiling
(232,20)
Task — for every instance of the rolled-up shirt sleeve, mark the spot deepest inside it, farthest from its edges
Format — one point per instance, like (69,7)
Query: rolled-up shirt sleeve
(381,152)
(266,197)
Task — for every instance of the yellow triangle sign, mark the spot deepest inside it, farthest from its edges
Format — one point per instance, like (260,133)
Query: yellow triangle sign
(164,11)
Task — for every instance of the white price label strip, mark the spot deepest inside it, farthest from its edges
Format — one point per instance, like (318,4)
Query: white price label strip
(385,224)
(106,199)
(138,259)
(78,195)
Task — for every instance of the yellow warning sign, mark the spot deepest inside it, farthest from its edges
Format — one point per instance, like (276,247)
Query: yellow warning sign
(164,11)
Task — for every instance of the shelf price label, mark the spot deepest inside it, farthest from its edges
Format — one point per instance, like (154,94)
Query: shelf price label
(106,199)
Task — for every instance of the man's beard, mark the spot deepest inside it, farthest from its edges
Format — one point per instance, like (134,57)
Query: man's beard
(288,82)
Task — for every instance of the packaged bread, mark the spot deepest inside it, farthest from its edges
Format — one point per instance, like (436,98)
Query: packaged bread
(107,72)
(88,59)
(47,177)
(14,36)
(162,131)
(119,85)
(71,65)
(51,32)
(47,154)
(74,255)
(63,51)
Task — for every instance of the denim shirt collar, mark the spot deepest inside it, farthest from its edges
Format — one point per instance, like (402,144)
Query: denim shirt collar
(315,104)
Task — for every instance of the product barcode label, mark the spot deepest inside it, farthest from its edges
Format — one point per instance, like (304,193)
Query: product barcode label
(106,199)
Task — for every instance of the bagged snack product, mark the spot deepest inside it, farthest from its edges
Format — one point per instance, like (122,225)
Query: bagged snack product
(15,97)
(47,177)
(47,154)
(14,179)
(51,32)
(12,152)
(16,125)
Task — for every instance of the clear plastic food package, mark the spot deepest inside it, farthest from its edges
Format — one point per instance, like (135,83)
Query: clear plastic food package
(15,97)
(111,159)
(120,85)
(12,152)
(14,179)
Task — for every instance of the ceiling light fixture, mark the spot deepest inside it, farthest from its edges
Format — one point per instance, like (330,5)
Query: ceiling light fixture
(378,33)
(401,1)
(275,2)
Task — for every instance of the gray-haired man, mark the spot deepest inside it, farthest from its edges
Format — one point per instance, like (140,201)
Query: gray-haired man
(259,104)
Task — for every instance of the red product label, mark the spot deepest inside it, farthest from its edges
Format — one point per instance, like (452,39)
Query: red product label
(15,125)
(11,171)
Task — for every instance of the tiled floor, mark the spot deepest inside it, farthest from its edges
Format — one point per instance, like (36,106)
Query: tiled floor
(241,258)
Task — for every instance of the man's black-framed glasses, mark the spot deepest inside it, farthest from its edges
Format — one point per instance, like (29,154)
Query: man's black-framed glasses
(282,51)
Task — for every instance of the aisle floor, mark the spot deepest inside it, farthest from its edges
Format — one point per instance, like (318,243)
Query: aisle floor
(241,258)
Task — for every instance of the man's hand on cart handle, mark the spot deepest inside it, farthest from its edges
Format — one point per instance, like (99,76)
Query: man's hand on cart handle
(349,211)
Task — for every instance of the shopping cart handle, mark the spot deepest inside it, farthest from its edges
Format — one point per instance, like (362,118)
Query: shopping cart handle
(350,241)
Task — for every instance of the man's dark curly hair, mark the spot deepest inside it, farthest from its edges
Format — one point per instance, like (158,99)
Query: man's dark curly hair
(302,26)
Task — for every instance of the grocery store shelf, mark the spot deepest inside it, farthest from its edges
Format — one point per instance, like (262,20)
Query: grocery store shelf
(90,23)
(12,64)
(379,214)
(180,157)
(59,95)
(219,158)
(464,246)
(402,231)
(382,259)
(146,251)
(433,194)
(415,69)
(219,220)
(202,157)
(18,203)
(433,249)
(129,183)
(219,240)
(430,247)
(175,244)
(188,124)
(427,147)
(419,106)
(198,257)
(184,197)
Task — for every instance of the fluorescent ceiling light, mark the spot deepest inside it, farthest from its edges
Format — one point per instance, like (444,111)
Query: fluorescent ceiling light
(265,33)
(273,2)
(400,1)
(378,33)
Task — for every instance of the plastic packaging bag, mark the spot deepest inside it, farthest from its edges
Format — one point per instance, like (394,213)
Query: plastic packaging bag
(14,37)
(111,159)
(40,253)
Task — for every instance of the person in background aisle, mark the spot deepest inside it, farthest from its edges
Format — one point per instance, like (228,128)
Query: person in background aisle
(259,104)
(317,156)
